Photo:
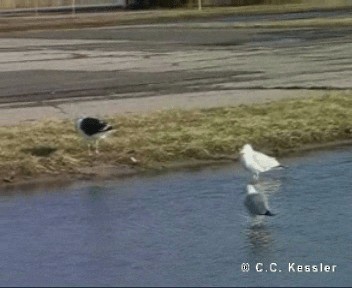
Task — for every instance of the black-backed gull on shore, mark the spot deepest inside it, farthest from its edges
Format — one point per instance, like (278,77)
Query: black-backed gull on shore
(93,130)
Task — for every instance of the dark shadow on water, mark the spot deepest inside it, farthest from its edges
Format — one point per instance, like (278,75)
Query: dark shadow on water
(33,187)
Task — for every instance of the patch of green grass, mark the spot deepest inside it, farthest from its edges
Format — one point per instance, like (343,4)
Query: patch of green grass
(176,135)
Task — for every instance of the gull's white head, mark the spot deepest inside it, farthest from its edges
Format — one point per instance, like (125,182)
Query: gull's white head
(78,122)
(251,189)
(246,148)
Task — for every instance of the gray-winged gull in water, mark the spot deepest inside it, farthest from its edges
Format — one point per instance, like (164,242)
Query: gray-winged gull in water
(257,162)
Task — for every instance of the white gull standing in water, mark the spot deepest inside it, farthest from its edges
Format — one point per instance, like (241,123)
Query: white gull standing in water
(256,202)
(257,162)
(92,130)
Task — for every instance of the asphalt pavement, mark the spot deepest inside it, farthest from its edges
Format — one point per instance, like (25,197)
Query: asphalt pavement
(60,73)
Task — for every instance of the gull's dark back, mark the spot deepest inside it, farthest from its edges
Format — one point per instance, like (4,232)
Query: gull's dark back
(91,126)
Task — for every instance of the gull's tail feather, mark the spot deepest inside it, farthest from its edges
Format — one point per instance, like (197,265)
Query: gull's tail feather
(107,128)
(281,167)
(268,213)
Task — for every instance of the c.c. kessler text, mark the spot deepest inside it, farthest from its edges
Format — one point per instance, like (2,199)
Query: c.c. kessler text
(293,267)
(315,268)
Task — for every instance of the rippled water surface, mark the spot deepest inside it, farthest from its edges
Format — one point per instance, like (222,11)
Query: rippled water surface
(186,228)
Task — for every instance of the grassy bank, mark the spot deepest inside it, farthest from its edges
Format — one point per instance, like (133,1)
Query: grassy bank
(45,22)
(53,147)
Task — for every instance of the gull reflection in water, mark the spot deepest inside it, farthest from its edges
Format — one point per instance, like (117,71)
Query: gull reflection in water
(258,233)
(260,238)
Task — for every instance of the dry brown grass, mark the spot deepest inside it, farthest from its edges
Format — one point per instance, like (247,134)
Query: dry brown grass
(54,148)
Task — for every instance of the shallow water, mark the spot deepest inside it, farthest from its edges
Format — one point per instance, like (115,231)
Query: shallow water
(186,228)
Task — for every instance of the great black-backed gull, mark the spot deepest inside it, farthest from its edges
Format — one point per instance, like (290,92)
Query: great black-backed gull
(257,162)
(92,130)
(256,202)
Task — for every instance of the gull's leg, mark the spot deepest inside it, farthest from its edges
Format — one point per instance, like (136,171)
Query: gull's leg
(97,146)
(256,177)
(89,151)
